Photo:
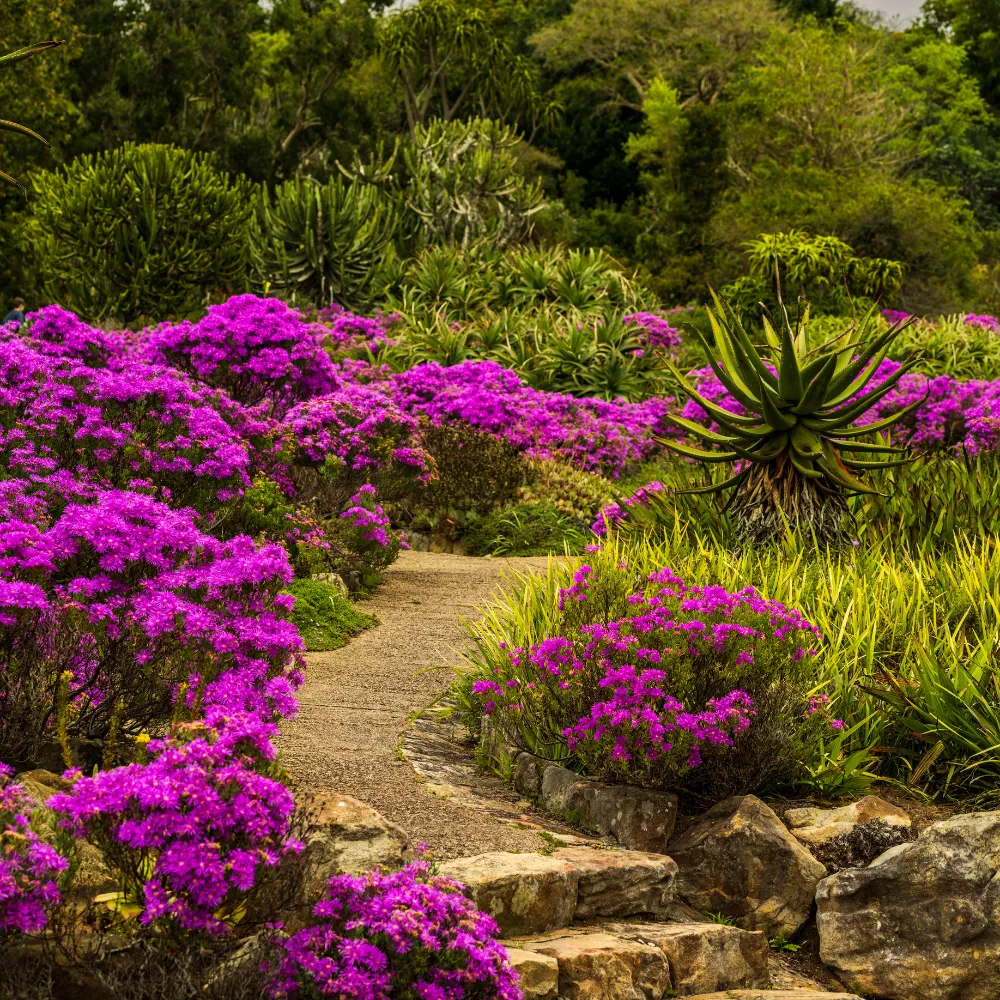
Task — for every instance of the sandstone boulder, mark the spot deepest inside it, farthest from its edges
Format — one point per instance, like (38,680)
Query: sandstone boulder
(348,836)
(706,957)
(620,883)
(775,995)
(740,860)
(817,826)
(539,973)
(598,966)
(922,922)
(524,893)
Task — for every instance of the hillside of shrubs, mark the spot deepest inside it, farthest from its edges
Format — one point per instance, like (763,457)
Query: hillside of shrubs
(605,302)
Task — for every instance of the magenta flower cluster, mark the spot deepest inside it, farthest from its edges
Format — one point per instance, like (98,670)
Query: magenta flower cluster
(260,351)
(201,810)
(30,868)
(657,331)
(591,434)
(618,685)
(400,934)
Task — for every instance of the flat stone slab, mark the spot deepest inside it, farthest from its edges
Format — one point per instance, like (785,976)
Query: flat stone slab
(621,883)
(706,957)
(594,965)
(523,893)
(774,995)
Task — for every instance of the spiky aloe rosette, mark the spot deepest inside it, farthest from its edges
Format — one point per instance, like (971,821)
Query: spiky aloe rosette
(796,449)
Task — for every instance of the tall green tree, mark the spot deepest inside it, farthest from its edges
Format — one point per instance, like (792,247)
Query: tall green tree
(460,59)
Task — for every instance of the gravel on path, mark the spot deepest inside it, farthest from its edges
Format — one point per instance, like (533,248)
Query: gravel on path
(357,700)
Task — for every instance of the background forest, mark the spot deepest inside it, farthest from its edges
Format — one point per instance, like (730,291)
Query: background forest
(667,132)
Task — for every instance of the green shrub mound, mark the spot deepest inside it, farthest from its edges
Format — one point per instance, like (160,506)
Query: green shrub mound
(325,618)
(140,234)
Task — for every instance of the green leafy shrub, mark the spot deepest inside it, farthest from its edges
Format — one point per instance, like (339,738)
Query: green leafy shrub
(576,494)
(140,233)
(823,269)
(324,243)
(464,184)
(477,473)
(325,618)
(526,530)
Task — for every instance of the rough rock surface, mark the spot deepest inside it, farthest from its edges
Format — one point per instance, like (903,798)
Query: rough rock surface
(740,860)
(620,883)
(705,957)
(598,966)
(922,922)
(524,893)
(774,995)
(348,836)
(539,973)
(638,818)
(817,826)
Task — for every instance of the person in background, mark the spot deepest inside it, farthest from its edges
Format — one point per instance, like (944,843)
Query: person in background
(16,315)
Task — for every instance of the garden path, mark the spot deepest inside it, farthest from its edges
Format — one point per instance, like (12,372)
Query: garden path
(357,701)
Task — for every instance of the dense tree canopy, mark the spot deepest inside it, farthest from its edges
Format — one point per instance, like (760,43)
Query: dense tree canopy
(667,131)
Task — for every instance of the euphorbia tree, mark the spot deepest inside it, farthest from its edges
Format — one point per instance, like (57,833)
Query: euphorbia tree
(795,448)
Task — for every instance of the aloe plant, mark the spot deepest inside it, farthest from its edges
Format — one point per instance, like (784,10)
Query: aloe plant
(797,447)
(7,126)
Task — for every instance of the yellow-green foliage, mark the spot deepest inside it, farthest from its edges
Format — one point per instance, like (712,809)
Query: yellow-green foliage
(909,651)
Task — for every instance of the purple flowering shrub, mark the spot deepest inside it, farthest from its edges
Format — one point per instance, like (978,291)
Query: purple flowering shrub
(31,869)
(345,439)
(190,830)
(387,936)
(614,513)
(117,598)
(127,426)
(58,332)
(364,541)
(591,434)
(260,351)
(659,683)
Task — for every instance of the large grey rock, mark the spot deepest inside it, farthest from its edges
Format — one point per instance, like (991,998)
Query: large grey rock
(818,826)
(598,966)
(922,922)
(738,859)
(539,974)
(620,883)
(706,957)
(523,893)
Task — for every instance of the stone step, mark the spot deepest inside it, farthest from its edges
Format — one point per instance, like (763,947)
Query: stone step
(622,961)
(537,893)
(775,995)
